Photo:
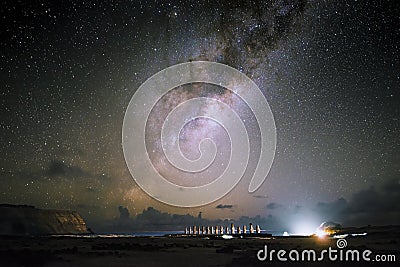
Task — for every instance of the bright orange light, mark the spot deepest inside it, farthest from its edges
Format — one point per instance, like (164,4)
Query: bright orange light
(321,233)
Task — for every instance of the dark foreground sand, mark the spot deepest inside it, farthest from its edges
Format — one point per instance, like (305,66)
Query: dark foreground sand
(179,251)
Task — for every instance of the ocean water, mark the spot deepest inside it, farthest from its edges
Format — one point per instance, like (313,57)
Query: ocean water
(147,234)
(158,233)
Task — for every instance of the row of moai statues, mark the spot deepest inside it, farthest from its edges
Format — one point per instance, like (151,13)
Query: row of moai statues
(220,230)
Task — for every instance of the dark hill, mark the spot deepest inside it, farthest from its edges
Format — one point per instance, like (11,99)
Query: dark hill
(28,220)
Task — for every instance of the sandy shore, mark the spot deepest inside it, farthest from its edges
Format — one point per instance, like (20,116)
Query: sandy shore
(179,251)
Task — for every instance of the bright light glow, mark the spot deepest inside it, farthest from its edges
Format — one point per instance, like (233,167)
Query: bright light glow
(346,235)
(363,234)
(285,233)
(340,236)
(227,237)
(320,233)
(304,229)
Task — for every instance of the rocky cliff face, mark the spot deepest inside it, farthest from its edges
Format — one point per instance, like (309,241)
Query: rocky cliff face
(28,220)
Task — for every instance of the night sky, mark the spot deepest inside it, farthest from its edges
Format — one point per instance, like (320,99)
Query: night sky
(330,71)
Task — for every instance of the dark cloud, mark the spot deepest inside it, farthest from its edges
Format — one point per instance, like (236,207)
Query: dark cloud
(392,187)
(123,213)
(59,168)
(260,196)
(224,206)
(369,206)
(273,206)
(297,209)
(55,168)
(331,209)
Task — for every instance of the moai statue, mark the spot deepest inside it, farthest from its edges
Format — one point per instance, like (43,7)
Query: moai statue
(258,230)
(212,230)
(232,229)
(227,230)
(244,229)
(238,230)
(216,230)
(186,231)
(208,230)
(203,230)
(221,230)
(195,230)
(251,229)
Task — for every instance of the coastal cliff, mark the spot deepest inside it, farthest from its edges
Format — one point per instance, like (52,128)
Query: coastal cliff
(28,220)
